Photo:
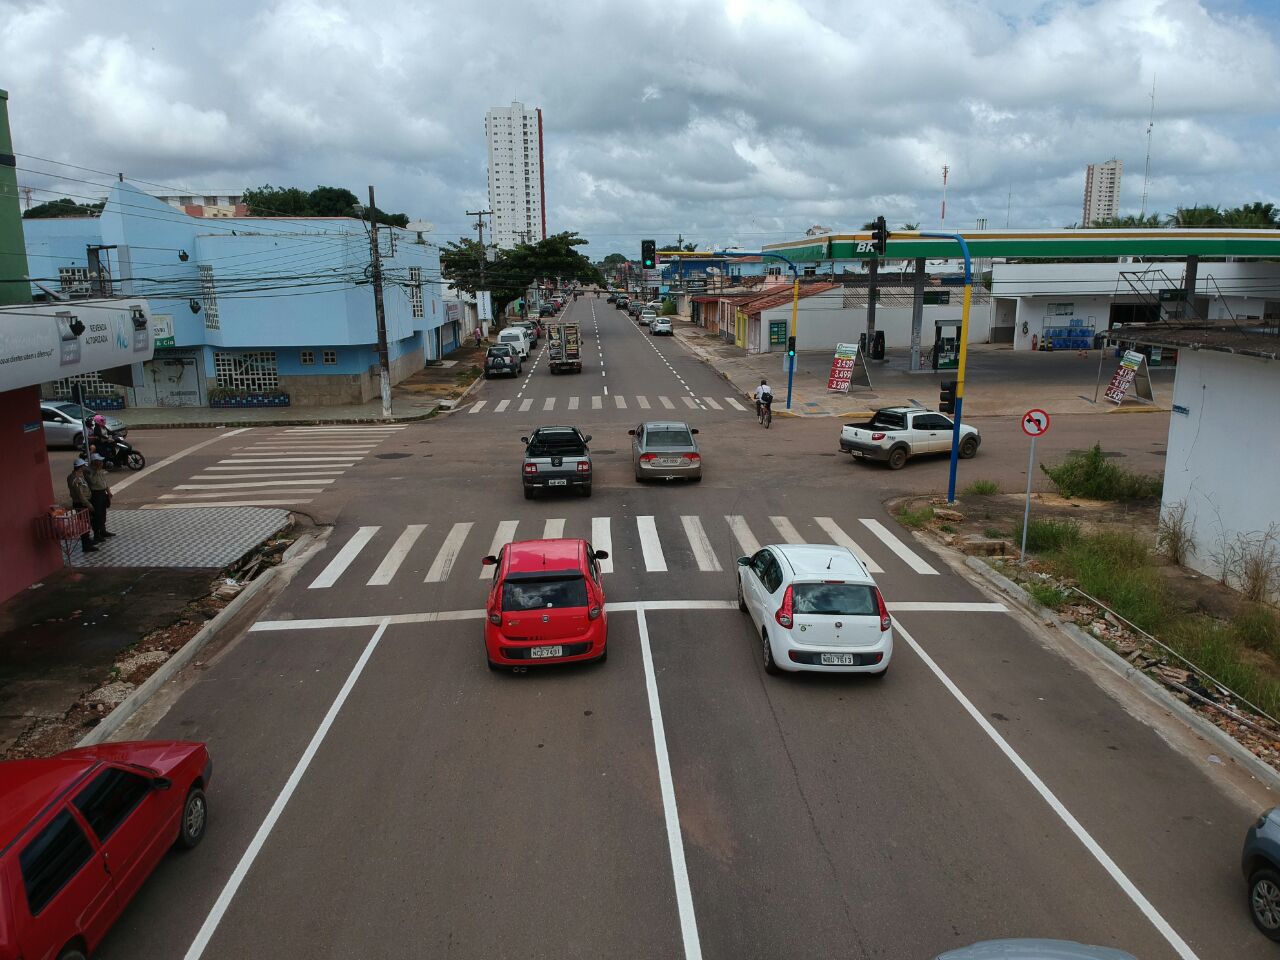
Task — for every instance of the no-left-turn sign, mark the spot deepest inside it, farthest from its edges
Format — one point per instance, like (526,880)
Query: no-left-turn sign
(1035,423)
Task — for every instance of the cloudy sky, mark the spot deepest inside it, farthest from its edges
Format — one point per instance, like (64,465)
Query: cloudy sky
(729,121)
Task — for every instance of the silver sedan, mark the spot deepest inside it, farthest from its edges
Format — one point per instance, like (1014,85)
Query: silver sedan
(665,450)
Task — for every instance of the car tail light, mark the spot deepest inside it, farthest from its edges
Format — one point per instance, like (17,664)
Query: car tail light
(783,616)
(584,467)
(647,457)
(593,613)
(885,622)
(693,457)
(530,468)
(878,436)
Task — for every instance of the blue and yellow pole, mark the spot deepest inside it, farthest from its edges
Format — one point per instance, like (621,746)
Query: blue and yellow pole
(964,354)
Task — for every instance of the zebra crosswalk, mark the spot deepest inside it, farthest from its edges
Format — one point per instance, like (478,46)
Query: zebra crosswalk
(284,467)
(610,401)
(439,552)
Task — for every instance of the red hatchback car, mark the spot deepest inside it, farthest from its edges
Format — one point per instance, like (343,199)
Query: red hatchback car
(80,832)
(546,604)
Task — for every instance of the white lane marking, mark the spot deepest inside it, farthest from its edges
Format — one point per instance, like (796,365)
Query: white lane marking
(525,404)
(328,461)
(711,403)
(897,546)
(263,476)
(339,428)
(689,402)
(1057,806)
(553,529)
(747,542)
(786,531)
(602,539)
(210,925)
(442,566)
(666,402)
(342,559)
(606,391)
(675,840)
(573,403)
(502,405)
(390,564)
(285,469)
(237,493)
(650,545)
(120,484)
(549,403)
(735,404)
(621,401)
(252,483)
(263,448)
(944,606)
(477,406)
(597,402)
(700,543)
(505,533)
(644,402)
(255,502)
(838,536)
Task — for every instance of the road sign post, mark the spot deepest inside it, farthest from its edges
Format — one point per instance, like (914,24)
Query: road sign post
(1035,423)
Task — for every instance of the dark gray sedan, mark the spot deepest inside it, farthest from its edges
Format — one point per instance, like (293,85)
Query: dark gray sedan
(1260,861)
(1034,949)
(665,450)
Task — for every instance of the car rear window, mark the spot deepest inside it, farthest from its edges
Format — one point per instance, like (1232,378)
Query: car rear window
(846,599)
(894,421)
(668,438)
(563,590)
(563,445)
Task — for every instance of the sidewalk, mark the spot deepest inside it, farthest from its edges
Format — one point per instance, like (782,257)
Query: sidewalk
(436,387)
(999,380)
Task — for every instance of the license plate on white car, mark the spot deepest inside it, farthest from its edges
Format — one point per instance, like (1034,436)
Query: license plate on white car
(837,660)
(543,653)
(557,483)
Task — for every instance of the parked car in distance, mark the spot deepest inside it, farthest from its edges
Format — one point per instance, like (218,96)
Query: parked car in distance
(546,310)
(502,358)
(554,458)
(646,317)
(895,434)
(611,298)
(654,305)
(517,338)
(80,832)
(546,605)
(64,423)
(1034,949)
(531,329)
(621,303)
(665,450)
(661,325)
(1260,861)
(815,607)
(635,308)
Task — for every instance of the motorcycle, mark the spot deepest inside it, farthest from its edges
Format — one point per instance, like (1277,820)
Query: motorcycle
(120,452)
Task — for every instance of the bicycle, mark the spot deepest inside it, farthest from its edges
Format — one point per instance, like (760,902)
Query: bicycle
(764,411)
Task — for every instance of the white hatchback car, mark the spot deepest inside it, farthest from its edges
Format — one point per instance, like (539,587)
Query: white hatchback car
(815,607)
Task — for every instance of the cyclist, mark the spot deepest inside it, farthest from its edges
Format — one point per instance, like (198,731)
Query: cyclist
(764,399)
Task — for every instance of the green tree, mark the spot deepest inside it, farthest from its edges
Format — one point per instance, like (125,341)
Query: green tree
(1254,214)
(1147,222)
(1199,216)
(269,201)
(66,207)
(613,260)
(509,274)
(332,202)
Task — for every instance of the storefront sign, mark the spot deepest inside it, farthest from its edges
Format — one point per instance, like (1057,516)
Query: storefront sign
(162,330)
(842,365)
(1124,377)
(777,332)
(43,342)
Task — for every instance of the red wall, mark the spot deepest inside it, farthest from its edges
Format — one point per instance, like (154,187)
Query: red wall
(28,492)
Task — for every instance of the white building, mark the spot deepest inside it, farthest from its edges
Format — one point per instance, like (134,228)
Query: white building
(207,204)
(517,183)
(1101,191)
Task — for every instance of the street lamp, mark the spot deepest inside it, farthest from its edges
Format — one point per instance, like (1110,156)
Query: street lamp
(795,307)
(964,353)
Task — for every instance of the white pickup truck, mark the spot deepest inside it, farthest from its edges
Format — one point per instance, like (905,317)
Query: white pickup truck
(896,433)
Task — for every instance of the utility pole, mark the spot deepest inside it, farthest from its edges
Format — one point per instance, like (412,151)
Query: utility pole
(873,290)
(384,363)
(484,255)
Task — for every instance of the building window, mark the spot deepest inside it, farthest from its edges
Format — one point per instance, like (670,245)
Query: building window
(415,291)
(307,357)
(210,297)
(330,357)
(1060,310)
(93,384)
(210,201)
(252,372)
(73,280)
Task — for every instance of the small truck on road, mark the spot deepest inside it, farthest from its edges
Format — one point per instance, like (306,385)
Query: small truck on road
(895,434)
(564,347)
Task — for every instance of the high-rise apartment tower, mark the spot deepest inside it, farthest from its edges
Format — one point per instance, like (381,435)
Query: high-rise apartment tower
(1102,191)
(517,183)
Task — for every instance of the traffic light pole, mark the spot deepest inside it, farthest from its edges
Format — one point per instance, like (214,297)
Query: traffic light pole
(964,353)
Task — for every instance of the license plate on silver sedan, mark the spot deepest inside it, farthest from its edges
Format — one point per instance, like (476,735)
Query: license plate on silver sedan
(836,660)
(671,462)
(544,653)
(557,483)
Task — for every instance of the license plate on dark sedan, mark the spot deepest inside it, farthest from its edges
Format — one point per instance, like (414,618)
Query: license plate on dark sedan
(837,660)
(544,653)
(557,483)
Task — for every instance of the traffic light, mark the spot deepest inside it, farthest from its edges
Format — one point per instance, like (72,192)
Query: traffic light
(791,346)
(879,236)
(947,397)
(648,254)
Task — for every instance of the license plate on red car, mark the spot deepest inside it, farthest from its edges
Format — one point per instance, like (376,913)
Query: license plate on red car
(544,653)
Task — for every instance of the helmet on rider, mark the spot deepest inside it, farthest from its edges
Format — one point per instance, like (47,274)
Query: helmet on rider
(100,420)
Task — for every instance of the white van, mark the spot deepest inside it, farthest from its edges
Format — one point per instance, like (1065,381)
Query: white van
(517,338)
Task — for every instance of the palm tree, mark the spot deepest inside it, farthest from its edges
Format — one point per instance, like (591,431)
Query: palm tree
(1130,220)
(1199,216)
(1254,214)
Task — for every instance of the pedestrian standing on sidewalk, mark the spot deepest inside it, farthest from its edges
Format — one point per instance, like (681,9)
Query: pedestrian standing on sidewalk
(477,334)
(99,496)
(81,497)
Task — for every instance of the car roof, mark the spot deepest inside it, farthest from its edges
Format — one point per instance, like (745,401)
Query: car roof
(665,425)
(28,786)
(556,429)
(822,561)
(531,556)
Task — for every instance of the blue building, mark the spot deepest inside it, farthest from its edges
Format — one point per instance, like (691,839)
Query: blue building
(249,305)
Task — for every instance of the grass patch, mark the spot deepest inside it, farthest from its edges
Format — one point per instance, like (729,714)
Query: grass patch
(1215,649)
(1116,568)
(915,518)
(1048,536)
(994,533)
(1047,595)
(1092,476)
(947,528)
(981,488)
(1258,627)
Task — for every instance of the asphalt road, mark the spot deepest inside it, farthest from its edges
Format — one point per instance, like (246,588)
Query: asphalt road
(380,793)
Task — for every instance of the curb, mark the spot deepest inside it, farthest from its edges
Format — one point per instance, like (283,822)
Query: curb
(1151,409)
(1127,671)
(309,422)
(455,404)
(131,704)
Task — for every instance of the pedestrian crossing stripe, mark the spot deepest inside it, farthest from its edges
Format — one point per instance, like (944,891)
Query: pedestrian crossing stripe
(658,550)
(620,402)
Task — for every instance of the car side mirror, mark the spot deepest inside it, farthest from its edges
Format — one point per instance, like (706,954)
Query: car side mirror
(744,561)
(694,430)
(587,438)
(524,439)
(631,433)
(602,554)
(490,561)
(161,783)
